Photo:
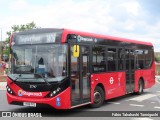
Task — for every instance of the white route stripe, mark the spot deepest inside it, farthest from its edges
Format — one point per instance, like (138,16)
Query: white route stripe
(157,107)
(141,119)
(153,102)
(146,90)
(136,105)
(143,97)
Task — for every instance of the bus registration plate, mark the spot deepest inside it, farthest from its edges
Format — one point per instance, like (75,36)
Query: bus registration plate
(29,104)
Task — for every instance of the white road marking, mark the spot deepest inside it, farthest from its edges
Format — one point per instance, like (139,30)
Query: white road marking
(114,103)
(146,90)
(141,119)
(136,105)
(157,107)
(153,102)
(143,97)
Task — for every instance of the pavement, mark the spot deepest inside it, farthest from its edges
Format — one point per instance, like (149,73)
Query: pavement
(3,85)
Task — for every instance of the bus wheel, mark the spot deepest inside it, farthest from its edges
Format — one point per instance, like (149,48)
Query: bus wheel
(140,87)
(98,97)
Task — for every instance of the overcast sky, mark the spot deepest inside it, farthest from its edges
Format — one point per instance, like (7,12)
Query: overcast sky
(134,19)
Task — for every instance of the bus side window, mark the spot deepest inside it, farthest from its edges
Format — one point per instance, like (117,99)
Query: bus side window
(132,57)
(148,58)
(127,59)
(140,59)
(111,58)
(99,59)
(120,59)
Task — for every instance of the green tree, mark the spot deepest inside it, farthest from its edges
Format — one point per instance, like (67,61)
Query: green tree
(157,59)
(18,28)
(14,29)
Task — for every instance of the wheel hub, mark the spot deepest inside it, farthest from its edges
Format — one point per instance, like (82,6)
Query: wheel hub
(140,88)
(97,97)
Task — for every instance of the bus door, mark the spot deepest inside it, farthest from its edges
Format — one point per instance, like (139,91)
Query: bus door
(80,76)
(130,66)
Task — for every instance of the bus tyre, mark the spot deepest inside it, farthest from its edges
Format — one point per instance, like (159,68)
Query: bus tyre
(140,87)
(98,97)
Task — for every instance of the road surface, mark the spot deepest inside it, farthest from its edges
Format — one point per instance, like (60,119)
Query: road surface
(148,101)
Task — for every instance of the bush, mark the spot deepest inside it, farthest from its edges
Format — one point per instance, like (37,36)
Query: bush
(157,59)
(157,69)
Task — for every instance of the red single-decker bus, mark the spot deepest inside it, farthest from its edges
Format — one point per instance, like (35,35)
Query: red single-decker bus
(65,69)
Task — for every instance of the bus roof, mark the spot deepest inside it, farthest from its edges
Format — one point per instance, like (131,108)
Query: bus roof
(65,32)
(69,31)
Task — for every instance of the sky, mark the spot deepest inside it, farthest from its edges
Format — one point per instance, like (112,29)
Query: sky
(133,19)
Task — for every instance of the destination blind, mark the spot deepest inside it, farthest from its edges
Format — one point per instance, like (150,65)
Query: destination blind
(36,38)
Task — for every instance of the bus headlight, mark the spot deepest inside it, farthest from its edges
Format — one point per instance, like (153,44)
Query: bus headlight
(54,92)
(9,90)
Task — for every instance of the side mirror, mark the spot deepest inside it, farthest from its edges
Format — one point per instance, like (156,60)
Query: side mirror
(76,51)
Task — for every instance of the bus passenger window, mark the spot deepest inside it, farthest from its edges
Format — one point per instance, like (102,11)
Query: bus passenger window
(139,59)
(120,59)
(132,56)
(99,59)
(127,59)
(111,58)
(148,58)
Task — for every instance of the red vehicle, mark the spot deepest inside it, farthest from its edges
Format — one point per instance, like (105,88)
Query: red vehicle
(65,68)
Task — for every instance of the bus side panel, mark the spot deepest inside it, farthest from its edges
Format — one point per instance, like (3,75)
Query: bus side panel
(114,84)
(148,77)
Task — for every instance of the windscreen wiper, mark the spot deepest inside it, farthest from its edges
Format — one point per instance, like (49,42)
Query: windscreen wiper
(42,78)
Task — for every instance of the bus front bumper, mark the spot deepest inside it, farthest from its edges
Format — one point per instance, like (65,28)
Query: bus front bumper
(61,101)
